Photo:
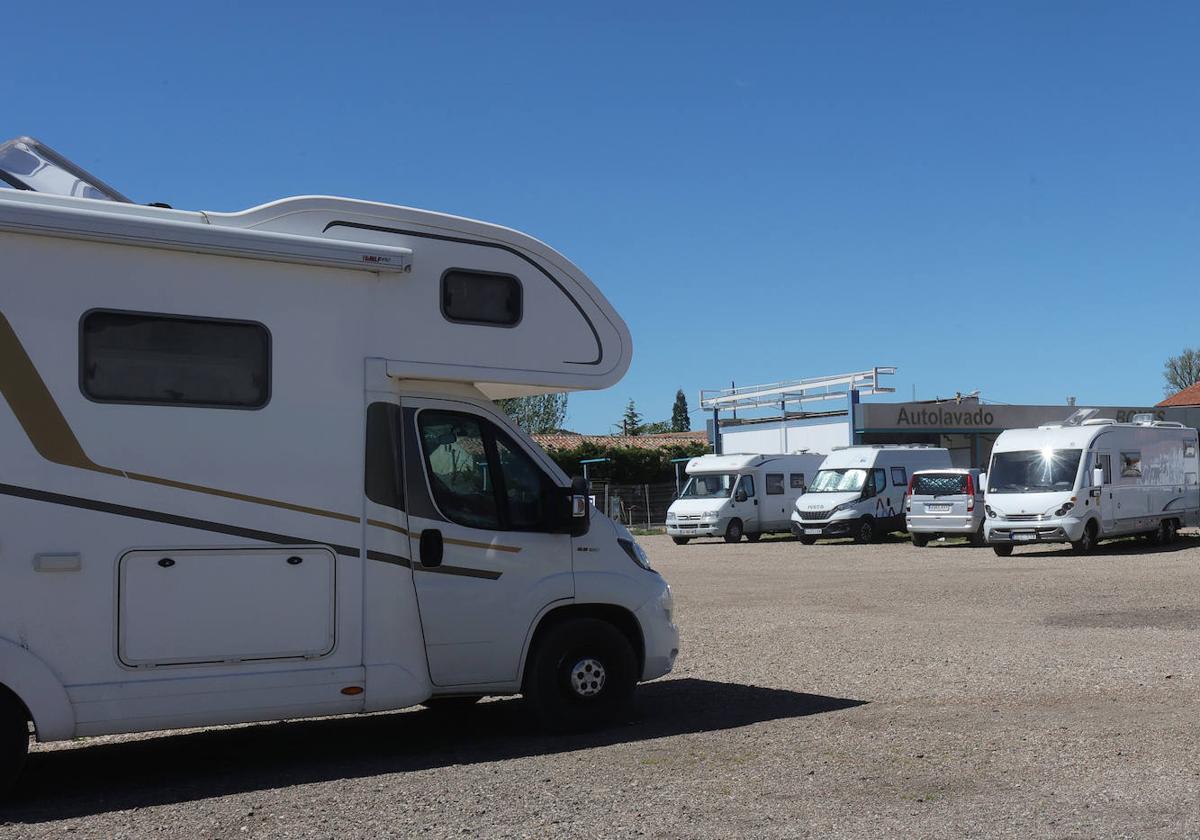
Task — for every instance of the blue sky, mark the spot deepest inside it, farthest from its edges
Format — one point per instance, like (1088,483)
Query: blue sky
(1004,197)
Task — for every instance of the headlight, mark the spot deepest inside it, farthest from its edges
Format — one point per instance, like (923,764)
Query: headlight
(1062,511)
(991,513)
(636,553)
(842,507)
(670,516)
(711,516)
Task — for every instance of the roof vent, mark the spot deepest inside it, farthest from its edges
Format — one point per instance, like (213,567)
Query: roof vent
(1077,418)
(28,164)
(1144,419)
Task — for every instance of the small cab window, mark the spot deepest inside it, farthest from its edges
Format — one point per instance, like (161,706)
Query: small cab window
(899,477)
(877,484)
(383,472)
(746,485)
(774,484)
(478,297)
(797,481)
(131,357)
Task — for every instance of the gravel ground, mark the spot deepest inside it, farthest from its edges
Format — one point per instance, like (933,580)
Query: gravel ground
(827,691)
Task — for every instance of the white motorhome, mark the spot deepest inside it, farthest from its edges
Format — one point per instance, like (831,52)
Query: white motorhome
(1091,478)
(253,468)
(734,495)
(860,491)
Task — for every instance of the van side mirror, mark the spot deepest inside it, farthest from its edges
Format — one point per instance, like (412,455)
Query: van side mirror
(740,496)
(581,507)
(1098,477)
(983,482)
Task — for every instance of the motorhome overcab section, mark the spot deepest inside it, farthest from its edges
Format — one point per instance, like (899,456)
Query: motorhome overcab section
(254,470)
(732,496)
(860,490)
(1089,479)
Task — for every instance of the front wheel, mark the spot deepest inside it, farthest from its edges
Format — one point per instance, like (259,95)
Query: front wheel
(920,540)
(1002,550)
(1086,544)
(14,741)
(681,540)
(733,533)
(753,537)
(865,532)
(581,675)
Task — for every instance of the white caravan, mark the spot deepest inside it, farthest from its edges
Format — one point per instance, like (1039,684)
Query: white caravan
(253,470)
(731,495)
(860,491)
(1091,478)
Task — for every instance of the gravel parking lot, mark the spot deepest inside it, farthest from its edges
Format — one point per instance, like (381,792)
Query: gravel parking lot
(832,690)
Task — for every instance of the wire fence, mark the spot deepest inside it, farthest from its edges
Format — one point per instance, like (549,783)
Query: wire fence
(635,505)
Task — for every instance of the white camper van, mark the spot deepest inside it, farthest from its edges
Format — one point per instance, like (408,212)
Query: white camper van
(734,495)
(253,470)
(860,490)
(1091,478)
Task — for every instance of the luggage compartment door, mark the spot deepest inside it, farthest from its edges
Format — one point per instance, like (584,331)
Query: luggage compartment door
(197,606)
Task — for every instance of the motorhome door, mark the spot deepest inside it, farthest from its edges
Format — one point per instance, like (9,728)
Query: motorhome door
(1108,505)
(485,558)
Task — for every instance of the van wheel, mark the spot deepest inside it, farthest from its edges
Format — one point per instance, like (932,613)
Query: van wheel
(681,540)
(581,675)
(1165,533)
(753,537)
(806,539)
(1003,550)
(733,533)
(14,741)
(920,540)
(978,538)
(865,533)
(1172,530)
(1087,543)
(450,705)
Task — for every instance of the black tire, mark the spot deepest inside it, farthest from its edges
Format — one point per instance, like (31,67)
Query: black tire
(753,537)
(978,539)
(919,540)
(1165,533)
(864,534)
(806,539)
(1003,550)
(558,680)
(1172,530)
(14,741)
(1087,543)
(681,540)
(733,531)
(451,705)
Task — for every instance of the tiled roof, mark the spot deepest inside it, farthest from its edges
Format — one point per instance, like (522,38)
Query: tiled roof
(1188,396)
(570,441)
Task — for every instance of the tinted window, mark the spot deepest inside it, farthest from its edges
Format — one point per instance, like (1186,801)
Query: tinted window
(939,484)
(526,489)
(797,481)
(459,474)
(899,477)
(476,297)
(128,357)
(880,481)
(746,485)
(774,484)
(383,455)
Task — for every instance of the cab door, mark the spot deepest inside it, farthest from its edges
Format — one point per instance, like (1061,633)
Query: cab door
(489,552)
(1108,504)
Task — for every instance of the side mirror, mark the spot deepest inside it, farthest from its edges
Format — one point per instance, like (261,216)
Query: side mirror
(581,507)
(740,496)
(983,482)
(1098,477)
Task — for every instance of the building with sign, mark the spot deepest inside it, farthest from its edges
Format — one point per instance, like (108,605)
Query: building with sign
(967,426)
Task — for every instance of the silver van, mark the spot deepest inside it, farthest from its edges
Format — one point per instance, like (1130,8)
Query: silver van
(945,503)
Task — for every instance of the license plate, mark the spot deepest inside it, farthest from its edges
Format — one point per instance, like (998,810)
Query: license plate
(812,530)
(937,508)
(1023,537)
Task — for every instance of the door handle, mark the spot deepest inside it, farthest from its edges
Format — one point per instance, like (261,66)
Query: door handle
(431,548)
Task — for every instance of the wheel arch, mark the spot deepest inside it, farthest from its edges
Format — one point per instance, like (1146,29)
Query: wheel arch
(38,690)
(620,617)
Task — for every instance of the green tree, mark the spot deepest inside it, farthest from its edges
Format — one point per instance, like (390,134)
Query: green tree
(631,420)
(680,421)
(1181,371)
(537,415)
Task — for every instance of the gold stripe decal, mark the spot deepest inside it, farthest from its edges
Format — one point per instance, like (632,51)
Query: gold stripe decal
(51,435)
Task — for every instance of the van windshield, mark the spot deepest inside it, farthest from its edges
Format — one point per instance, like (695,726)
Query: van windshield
(712,486)
(1033,471)
(838,481)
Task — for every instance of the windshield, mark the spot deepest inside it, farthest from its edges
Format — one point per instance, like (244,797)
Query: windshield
(1035,471)
(939,484)
(708,486)
(838,481)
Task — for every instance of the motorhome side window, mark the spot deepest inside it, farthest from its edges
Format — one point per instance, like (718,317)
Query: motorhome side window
(478,297)
(774,484)
(480,478)
(131,357)
(899,477)
(797,481)
(383,472)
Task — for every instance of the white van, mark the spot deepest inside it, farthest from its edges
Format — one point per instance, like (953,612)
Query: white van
(859,491)
(1091,478)
(253,469)
(734,495)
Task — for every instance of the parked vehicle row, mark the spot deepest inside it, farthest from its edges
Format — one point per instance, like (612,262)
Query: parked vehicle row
(1079,482)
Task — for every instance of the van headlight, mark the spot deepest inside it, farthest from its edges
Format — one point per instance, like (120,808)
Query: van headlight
(636,553)
(670,516)
(842,507)
(991,513)
(1065,509)
(711,516)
